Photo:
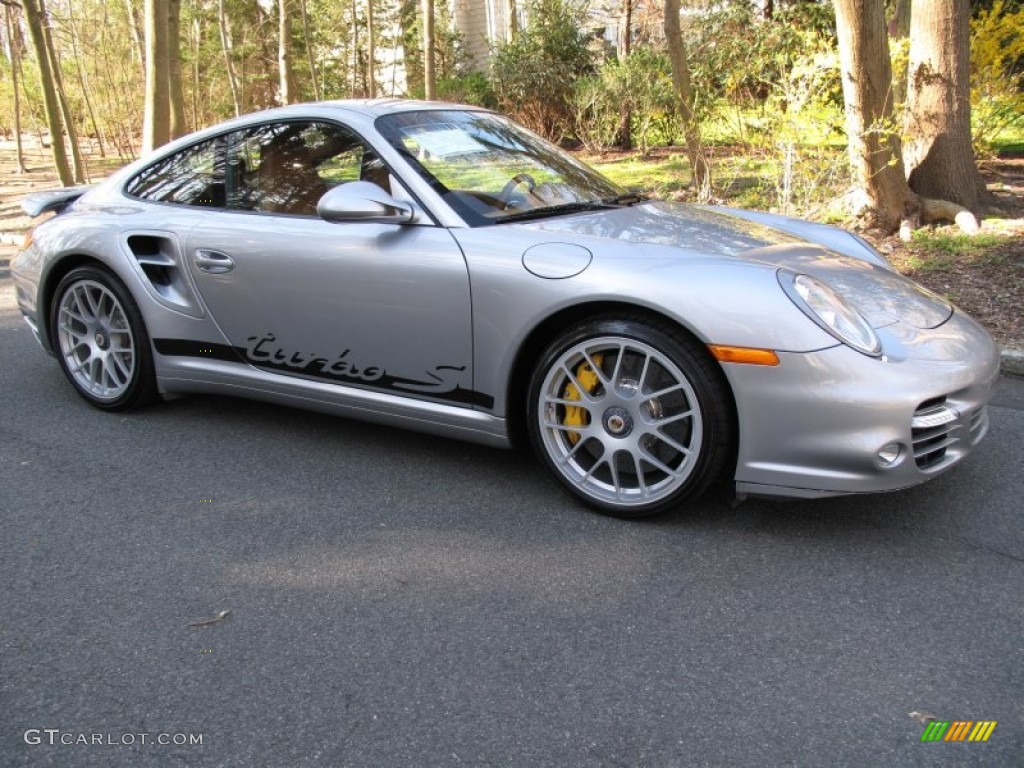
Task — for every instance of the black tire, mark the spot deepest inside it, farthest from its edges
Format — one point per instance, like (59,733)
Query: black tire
(100,340)
(654,424)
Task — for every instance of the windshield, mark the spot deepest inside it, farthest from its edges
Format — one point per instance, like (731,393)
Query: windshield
(490,170)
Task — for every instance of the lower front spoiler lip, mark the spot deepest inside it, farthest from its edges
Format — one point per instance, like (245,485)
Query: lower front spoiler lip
(824,423)
(916,466)
(35,331)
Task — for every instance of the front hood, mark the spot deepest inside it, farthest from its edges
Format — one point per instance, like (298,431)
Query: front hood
(884,297)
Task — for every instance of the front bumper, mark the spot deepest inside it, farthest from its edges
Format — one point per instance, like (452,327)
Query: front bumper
(814,425)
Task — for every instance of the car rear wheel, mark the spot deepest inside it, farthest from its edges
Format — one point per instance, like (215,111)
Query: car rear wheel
(630,416)
(100,340)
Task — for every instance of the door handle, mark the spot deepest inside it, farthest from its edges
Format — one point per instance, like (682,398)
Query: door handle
(213,262)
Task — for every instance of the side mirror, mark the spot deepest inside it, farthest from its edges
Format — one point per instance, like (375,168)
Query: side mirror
(362,201)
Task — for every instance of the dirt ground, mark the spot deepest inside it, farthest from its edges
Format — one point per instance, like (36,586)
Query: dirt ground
(986,281)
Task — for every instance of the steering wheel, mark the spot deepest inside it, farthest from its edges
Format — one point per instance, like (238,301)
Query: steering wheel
(520,178)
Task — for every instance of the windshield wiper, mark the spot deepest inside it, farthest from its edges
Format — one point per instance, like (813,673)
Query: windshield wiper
(556,210)
(629,198)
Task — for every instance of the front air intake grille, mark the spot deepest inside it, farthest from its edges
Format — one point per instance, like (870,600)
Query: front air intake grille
(934,428)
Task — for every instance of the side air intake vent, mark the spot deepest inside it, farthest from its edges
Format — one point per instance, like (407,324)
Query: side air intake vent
(157,256)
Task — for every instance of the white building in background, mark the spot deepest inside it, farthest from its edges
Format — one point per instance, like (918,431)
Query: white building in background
(482,23)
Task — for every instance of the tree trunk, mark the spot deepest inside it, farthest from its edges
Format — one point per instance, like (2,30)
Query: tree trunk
(34,21)
(900,26)
(371,52)
(78,168)
(309,51)
(684,92)
(121,134)
(175,90)
(229,63)
(14,55)
(872,139)
(286,79)
(133,25)
(512,22)
(83,79)
(357,90)
(412,55)
(157,116)
(938,155)
(626,47)
(195,39)
(429,77)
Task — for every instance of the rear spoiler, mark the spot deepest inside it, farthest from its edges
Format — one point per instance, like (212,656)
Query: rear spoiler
(52,200)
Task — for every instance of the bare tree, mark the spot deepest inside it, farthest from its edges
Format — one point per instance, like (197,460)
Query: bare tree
(872,134)
(34,21)
(175,89)
(13,50)
(412,57)
(872,140)
(938,155)
(83,82)
(356,90)
(900,24)
(512,22)
(136,30)
(156,129)
(77,162)
(309,51)
(229,62)
(371,52)
(625,48)
(684,92)
(429,76)
(286,77)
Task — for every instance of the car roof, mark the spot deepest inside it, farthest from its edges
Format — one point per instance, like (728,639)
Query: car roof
(371,108)
(378,107)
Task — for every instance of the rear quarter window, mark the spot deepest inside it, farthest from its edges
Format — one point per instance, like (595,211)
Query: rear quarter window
(194,176)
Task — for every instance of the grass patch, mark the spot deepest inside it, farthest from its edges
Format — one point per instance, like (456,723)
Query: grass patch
(800,181)
(661,177)
(940,250)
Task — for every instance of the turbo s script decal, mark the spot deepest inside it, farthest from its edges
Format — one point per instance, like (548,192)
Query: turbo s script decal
(347,367)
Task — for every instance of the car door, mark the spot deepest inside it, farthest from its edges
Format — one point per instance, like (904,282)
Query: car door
(371,305)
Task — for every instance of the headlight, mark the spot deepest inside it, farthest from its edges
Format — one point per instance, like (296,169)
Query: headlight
(830,311)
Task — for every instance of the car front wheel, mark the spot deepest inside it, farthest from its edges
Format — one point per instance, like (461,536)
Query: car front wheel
(630,416)
(100,340)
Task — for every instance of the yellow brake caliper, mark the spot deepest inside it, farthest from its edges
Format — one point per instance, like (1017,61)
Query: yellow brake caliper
(575,415)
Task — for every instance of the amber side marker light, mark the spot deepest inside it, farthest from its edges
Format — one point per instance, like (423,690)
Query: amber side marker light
(748,355)
(26,241)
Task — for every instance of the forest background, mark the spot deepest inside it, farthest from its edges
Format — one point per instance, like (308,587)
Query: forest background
(883,116)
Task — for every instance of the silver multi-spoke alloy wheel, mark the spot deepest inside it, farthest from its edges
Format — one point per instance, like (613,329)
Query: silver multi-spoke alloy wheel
(100,339)
(620,420)
(96,340)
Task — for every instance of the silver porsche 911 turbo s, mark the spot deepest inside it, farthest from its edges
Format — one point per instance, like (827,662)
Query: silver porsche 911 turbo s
(441,268)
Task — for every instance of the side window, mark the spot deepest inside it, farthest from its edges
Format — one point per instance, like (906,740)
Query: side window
(193,176)
(287,167)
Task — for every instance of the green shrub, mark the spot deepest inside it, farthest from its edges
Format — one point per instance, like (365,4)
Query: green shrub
(997,72)
(533,76)
(640,84)
(471,88)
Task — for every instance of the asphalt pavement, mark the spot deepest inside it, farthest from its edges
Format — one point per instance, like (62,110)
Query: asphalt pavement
(399,600)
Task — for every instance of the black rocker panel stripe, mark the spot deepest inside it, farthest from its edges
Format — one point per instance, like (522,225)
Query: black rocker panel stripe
(213,351)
